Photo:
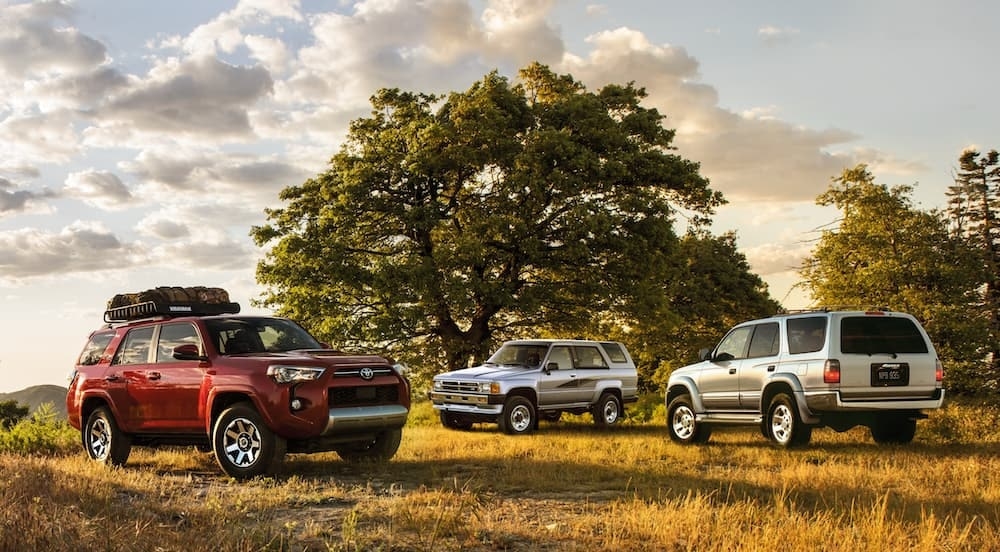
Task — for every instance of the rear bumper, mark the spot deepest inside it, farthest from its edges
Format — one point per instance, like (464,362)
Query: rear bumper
(360,419)
(830,401)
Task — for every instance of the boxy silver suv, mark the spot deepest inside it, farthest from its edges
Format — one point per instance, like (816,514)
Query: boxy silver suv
(542,378)
(790,373)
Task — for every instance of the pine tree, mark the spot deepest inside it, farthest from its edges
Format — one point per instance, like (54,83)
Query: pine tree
(974,212)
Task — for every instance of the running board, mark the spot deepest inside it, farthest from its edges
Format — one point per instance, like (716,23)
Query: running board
(730,418)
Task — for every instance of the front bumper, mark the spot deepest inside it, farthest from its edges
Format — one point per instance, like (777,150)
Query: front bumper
(467,403)
(360,419)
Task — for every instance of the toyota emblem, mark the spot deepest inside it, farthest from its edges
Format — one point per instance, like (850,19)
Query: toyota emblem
(367,373)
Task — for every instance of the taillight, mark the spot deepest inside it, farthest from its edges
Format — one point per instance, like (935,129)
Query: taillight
(831,371)
(938,371)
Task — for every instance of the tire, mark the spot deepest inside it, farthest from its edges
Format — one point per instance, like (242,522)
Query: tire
(893,430)
(103,440)
(382,449)
(608,410)
(243,444)
(455,421)
(518,416)
(784,426)
(682,424)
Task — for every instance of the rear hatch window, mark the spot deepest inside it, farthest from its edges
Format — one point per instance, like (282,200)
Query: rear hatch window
(867,335)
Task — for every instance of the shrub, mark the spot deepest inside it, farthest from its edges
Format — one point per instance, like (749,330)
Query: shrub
(42,433)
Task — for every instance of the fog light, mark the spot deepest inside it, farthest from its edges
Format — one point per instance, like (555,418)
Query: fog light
(296,404)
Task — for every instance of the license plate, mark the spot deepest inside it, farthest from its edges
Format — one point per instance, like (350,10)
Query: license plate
(890,374)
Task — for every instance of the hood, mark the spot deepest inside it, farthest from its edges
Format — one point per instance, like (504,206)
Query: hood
(489,372)
(328,356)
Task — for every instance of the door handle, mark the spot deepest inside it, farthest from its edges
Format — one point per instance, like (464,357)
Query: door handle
(113,377)
(732,370)
(154,376)
(770,368)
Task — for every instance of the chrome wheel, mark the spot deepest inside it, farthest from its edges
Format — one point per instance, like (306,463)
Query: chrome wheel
(520,418)
(100,439)
(782,424)
(608,410)
(682,423)
(242,442)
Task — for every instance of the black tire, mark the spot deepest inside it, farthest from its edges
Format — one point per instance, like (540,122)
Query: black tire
(382,449)
(103,440)
(451,420)
(682,424)
(518,416)
(243,444)
(893,430)
(608,410)
(784,426)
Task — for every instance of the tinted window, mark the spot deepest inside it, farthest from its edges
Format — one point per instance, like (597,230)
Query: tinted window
(235,336)
(588,357)
(519,355)
(615,352)
(135,347)
(94,349)
(806,335)
(734,345)
(172,335)
(880,334)
(765,341)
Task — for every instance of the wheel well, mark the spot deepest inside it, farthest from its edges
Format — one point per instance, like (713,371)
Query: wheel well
(772,390)
(225,400)
(676,391)
(89,405)
(526,393)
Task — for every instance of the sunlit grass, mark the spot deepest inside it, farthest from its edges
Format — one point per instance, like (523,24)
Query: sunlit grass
(570,486)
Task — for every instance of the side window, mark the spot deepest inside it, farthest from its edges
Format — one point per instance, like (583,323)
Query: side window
(614,350)
(764,342)
(135,347)
(589,357)
(734,345)
(94,349)
(562,357)
(172,335)
(806,335)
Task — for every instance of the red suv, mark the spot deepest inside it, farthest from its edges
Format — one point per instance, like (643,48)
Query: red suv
(248,388)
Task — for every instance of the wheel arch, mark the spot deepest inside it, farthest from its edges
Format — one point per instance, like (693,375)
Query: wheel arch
(684,386)
(793,388)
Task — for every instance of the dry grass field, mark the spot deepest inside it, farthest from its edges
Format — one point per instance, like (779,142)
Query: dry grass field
(567,487)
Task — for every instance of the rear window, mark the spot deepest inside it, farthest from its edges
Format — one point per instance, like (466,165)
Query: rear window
(94,349)
(614,350)
(880,334)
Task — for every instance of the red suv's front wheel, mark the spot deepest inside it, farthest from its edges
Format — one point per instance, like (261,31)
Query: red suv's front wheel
(244,446)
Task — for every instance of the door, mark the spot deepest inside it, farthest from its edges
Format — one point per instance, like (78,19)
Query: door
(718,380)
(591,368)
(559,385)
(762,360)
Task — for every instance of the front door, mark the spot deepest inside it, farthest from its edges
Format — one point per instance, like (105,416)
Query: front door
(557,384)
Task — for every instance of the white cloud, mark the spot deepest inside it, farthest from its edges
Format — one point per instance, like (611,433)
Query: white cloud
(774,35)
(79,247)
(13,200)
(101,189)
(32,43)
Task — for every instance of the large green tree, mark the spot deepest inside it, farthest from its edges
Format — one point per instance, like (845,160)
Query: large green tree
(974,213)
(887,253)
(445,224)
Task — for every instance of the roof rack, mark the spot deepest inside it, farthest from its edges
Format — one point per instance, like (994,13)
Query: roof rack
(148,309)
(786,312)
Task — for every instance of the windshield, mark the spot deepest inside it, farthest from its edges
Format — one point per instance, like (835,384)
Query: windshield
(234,336)
(519,355)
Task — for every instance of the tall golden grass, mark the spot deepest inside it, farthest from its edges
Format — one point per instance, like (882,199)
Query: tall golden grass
(569,486)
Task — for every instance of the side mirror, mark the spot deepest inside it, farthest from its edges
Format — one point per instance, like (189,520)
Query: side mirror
(188,351)
(704,354)
(551,366)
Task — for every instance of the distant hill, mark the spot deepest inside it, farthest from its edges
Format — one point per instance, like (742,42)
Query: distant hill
(37,395)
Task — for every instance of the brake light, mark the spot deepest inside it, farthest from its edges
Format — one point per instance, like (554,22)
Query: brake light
(831,371)
(938,371)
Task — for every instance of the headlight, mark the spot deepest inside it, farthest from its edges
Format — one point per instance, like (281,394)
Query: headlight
(438,384)
(490,388)
(291,374)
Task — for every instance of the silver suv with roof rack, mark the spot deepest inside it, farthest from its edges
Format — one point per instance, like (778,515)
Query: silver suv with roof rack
(528,380)
(791,373)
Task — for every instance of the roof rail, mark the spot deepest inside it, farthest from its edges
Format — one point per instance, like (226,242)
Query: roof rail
(150,309)
(831,308)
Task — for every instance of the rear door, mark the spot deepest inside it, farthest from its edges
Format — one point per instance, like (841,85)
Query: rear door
(885,355)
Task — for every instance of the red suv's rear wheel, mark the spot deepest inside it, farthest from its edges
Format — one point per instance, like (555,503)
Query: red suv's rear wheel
(102,439)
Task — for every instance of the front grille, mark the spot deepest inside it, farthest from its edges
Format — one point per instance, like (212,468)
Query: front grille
(460,386)
(363,395)
(356,372)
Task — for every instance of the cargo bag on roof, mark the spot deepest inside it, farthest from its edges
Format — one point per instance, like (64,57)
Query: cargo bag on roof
(170,301)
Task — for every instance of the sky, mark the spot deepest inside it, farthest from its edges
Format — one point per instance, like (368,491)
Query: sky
(140,141)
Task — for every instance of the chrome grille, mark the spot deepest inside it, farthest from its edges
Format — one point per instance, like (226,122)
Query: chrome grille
(460,386)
